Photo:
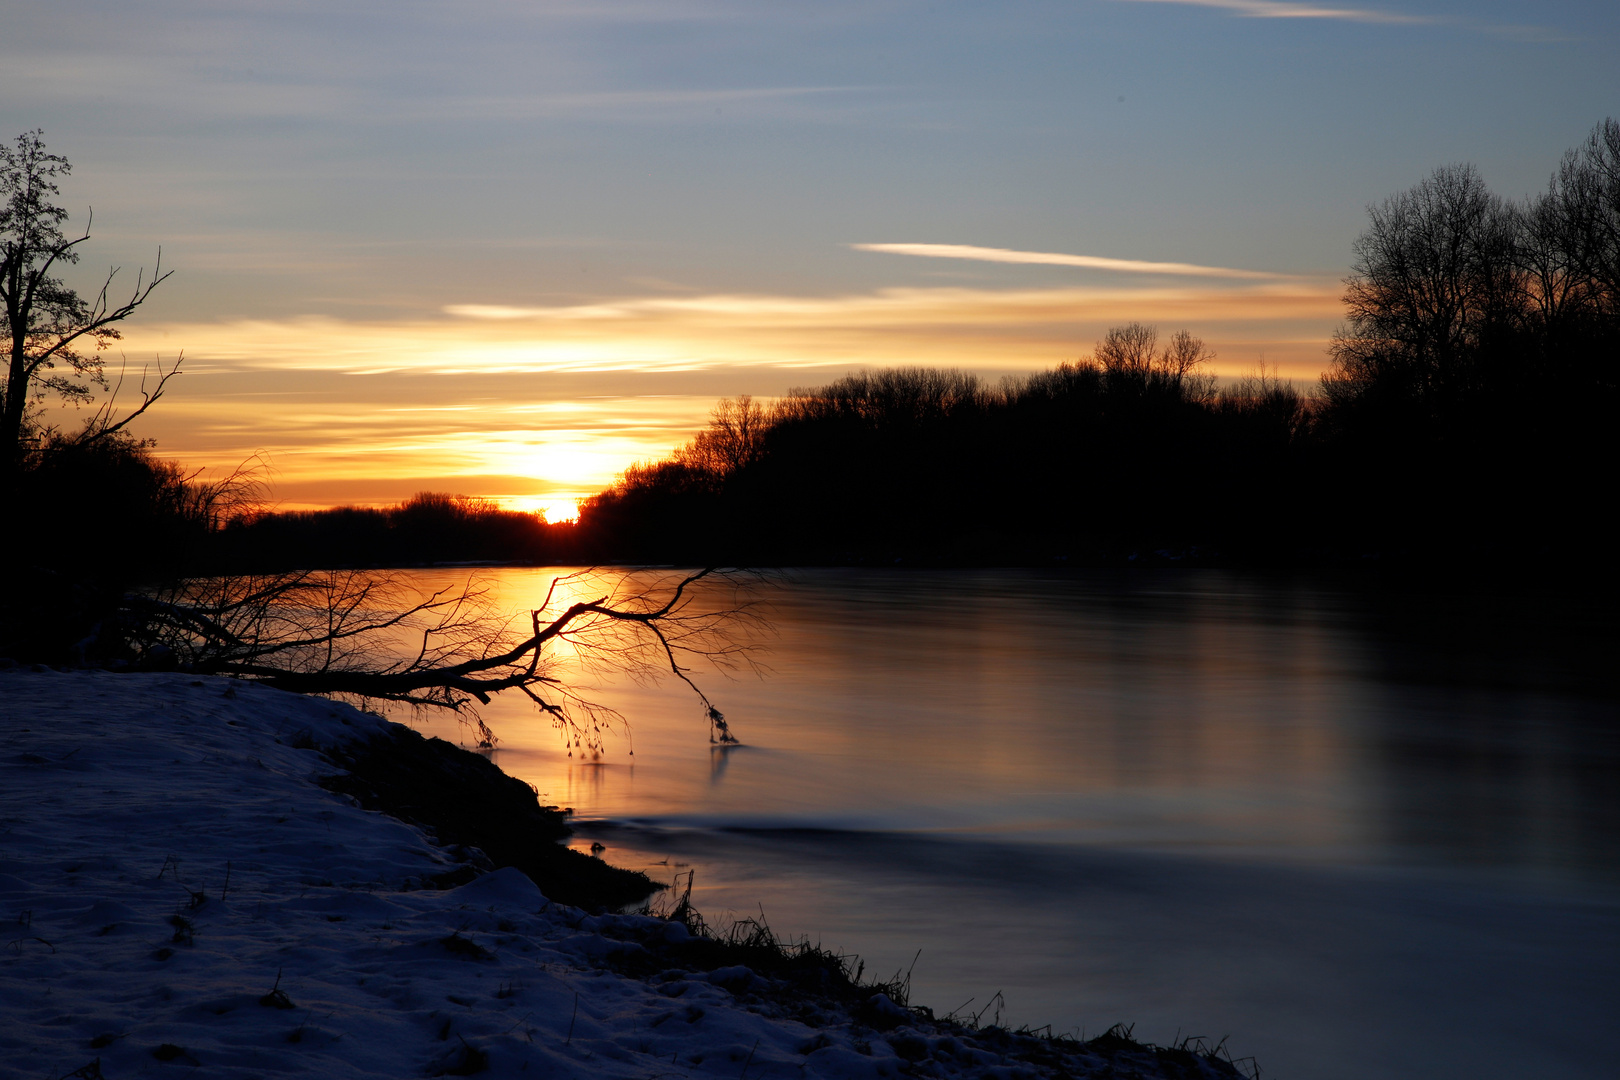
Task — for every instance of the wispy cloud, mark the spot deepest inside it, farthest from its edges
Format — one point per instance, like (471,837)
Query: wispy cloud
(803,326)
(196,90)
(1275,9)
(547,403)
(1052,258)
(984,329)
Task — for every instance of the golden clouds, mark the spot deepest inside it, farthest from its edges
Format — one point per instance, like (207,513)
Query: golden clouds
(983,329)
(547,403)
(362,440)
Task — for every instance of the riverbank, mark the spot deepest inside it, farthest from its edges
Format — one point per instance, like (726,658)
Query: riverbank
(179,889)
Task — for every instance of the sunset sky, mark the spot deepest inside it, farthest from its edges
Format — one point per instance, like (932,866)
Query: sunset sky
(506,248)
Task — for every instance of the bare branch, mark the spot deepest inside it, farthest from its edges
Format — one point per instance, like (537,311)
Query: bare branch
(101,315)
(102,425)
(371,635)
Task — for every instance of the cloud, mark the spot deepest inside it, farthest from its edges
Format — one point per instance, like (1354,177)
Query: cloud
(562,397)
(1274,9)
(984,329)
(83,77)
(1050,258)
(872,325)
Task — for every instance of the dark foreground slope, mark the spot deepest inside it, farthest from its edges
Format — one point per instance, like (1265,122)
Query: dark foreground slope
(465,801)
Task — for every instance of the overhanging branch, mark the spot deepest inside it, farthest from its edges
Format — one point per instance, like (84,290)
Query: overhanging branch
(373,636)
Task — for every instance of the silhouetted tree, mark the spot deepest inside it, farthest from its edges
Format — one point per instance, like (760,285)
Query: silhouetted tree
(1436,277)
(1583,200)
(733,440)
(1472,391)
(88,520)
(1570,253)
(54,337)
(1130,354)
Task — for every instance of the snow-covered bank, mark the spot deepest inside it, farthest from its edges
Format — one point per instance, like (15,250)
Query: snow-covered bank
(177,891)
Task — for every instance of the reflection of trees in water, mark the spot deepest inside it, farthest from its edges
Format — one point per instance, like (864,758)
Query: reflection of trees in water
(586,782)
(1258,713)
(1487,780)
(719,761)
(1316,711)
(1496,739)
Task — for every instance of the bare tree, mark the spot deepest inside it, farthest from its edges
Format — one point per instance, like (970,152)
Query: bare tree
(1574,230)
(374,636)
(1435,274)
(1128,350)
(1550,256)
(54,337)
(734,438)
(1184,355)
(1131,353)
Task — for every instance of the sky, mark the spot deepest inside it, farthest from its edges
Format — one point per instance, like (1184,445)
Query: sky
(506,248)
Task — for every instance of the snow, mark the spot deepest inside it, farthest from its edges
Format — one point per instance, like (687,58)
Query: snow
(176,893)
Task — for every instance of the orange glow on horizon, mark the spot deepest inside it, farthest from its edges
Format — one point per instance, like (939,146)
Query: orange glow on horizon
(557,511)
(540,407)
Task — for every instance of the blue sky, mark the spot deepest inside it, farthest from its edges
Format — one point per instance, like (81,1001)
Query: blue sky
(493,208)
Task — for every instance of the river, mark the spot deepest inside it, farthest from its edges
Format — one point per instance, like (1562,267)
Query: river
(1358,833)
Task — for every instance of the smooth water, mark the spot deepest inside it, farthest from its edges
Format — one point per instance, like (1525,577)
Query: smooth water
(1361,834)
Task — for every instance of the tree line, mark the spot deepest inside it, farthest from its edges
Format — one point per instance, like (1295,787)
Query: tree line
(1106,456)
(427,528)
(1468,413)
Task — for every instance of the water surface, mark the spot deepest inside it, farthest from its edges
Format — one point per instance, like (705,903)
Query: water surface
(1361,833)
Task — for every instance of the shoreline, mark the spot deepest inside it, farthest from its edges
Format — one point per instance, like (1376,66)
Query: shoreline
(190,880)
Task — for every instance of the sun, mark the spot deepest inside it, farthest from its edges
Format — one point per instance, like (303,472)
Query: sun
(558,510)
